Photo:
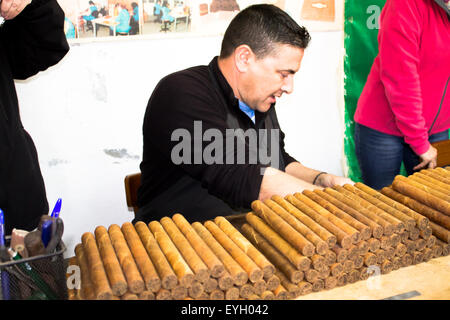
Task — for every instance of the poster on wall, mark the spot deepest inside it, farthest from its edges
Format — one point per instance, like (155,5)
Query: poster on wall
(115,18)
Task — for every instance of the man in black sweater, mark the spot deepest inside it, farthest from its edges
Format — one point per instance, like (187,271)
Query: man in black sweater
(31,40)
(212,142)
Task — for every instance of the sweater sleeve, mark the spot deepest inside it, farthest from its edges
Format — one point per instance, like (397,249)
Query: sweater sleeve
(35,39)
(399,40)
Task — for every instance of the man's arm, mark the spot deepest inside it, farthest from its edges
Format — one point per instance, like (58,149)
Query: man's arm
(324,180)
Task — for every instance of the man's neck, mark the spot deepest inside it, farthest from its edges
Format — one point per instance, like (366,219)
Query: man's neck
(226,67)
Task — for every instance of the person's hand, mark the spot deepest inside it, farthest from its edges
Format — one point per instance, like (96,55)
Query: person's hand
(330,180)
(429,159)
(9,9)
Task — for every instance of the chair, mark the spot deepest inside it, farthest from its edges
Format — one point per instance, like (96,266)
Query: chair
(443,148)
(132,183)
(165,26)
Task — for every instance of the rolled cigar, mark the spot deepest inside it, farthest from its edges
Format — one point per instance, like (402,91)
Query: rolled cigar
(232,293)
(410,246)
(436,175)
(147,295)
(424,197)
(353,202)
(374,244)
(330,283)
(440,232)
(318,285)
(196,290)
(353,276)
(129,296)
(370,259)
(237,273)
(324,273)
(432,181)
(431,191)
(431,241)
(374,196)
(254,297)
(259,286)
(385,242)
(364,274)
(273,282)
(217,295)
(246,246)
(426,233)
(341,224)
(300,262)
(246,290)
(381,256)
(414,234)
(396,223)
(445,247)
(267,295)
(400,250)
(201,248)
(407,260)
(386,267)
(336,269)
(150,260)
(341,253)
(428,184)
(191,257)
(417,257)
(395,239)
(97,272)
(396,263)
(388,213)
(210,285)
(428,254)
(353,252)
(442,172)
(344,239)
(163,294)
(359,262)
(286,211)
(252,269)
(365,231)
(342,279)
(317,261)
(311,275)
(280,293)
(424,210)
(376,229)
(390,253)
(330,257)
(363,247)
(301,215)
(283,228)
(226,281)
(134,280)
(33,243)
(181,268)
(404,236)
(87,287)
(109,258)
(421,244)
(348,266)
(436,251)
(305,287)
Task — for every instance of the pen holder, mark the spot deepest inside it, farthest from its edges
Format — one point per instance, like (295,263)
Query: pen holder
(40,277)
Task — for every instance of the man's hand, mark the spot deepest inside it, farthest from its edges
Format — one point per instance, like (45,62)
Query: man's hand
(9,9)
(330,180)
(429,159)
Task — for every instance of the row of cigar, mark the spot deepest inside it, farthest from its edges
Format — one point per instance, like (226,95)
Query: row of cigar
(287,247)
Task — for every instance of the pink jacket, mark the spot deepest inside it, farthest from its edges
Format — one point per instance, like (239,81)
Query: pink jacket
(406,83)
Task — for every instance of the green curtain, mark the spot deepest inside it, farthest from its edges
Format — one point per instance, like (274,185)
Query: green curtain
(361,30)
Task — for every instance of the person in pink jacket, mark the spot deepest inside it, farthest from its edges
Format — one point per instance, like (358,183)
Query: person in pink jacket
(405,104)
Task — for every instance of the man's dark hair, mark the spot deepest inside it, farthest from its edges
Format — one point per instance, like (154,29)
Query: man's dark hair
(261,27)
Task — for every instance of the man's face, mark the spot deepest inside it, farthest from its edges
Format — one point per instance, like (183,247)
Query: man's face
(268,78)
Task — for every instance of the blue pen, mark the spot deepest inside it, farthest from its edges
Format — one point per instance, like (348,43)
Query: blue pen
(4,275)
(56,209)
(46,232)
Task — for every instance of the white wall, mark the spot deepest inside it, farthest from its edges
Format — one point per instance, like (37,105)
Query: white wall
(85,116)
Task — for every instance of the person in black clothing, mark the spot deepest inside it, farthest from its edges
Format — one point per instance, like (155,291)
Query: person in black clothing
(189,164)
(31,40)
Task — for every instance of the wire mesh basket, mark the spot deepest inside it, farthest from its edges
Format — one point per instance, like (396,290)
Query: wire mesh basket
(40,277)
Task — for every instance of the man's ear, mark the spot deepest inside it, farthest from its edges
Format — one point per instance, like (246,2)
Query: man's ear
(243,57)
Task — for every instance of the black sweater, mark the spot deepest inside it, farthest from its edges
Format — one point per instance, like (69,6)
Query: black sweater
(178,100)
(29,43)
